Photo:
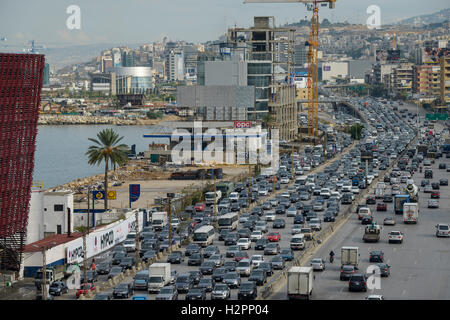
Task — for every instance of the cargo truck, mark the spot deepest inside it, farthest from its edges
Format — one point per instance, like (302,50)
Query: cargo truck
(159,220)
(399,200)
(410,212)
(379,193)
(209,197)
(52,274)
(300,283)
(158,276)
(350,256)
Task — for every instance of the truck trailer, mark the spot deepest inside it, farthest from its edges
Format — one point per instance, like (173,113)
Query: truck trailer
(300,283)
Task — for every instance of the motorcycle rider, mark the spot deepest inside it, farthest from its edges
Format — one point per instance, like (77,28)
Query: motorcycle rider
(331,255)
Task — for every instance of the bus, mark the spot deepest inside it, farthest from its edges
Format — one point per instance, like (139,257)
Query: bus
(228,221)
(225,187)
(204,236)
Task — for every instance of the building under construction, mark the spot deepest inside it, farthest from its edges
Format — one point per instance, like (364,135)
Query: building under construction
(21,77)
(270,54)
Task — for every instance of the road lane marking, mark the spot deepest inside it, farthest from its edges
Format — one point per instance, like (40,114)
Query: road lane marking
(403,292)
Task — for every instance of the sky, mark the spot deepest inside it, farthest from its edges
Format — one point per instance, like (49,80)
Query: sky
(142,21)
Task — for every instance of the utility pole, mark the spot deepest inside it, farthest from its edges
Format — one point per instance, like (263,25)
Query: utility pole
(44,274)
(137,237)
(85,257)
(170,196)
(215,202)
(292,164)
(249,184)
(88,206)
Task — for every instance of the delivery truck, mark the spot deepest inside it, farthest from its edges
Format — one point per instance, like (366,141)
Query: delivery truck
(372,233)
(52,274)
(158,276)
(300,283)
(209,197)
(159,220)
(410,212)
(350,256)
(399,200)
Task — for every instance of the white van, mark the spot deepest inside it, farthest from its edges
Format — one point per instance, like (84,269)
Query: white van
(364,211)
(298,242)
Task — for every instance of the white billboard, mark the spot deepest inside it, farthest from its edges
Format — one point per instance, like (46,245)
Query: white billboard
(102,240)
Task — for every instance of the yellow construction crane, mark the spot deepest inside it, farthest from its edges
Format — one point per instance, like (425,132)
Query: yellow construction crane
(313,47)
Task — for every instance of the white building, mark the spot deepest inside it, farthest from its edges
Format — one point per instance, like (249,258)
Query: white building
(333,70)
(175,65)
(49,214)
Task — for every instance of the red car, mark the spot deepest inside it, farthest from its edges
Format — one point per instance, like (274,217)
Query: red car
(274,237)
(271,179)
(84,289)
(381,206)
(240,255)
(199,206)
(435,195)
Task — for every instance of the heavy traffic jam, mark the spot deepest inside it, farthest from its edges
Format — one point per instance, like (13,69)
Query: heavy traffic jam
(375,192)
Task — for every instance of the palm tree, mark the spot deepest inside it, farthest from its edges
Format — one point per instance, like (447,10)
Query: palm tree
(107,150)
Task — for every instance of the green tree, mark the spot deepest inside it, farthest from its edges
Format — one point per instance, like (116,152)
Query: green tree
(107,149)
(355,131)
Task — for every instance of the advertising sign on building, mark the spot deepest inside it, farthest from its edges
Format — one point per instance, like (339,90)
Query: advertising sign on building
(242,124)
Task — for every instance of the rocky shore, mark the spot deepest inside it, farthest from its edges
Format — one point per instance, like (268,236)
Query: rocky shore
(45,119)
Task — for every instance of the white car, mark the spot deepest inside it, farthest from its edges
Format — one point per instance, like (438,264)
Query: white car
(291,212)
(256,260)
(234,196)
(442,230)
(318,264)
(244,267)
(296,228)
(270,215)
(256,235)
(130,245)
(336,194)
(284,180)
(306,168)
(175,222)
(263,192)
(285,195)
(325,192)
(375,297)
(395,236)
(355,189)
(244,243)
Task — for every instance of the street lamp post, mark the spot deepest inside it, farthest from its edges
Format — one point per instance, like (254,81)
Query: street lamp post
(170,196)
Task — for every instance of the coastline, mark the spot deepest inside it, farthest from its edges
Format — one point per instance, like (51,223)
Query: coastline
(55,120)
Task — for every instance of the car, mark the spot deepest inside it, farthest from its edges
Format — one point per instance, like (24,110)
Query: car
(247,291)
(278,263)
(221,291)
(381,206)
(375,297)
(376,256)
(315,224)
(184,283)
(366,220)
(260,244)
(232,279)
(130,245)
(433,203)
(196,294)
(127,263)
(167,293)
(244,243)
(435,185)
(58,288)
(117,257)
(259,276)
(218,259)
(123,290)
(442,166)
(244,267)
(232,250)
(442,230)
(395,236)
(329,217)
(231,239)
(279,224)
(389,221)
(287,254)
(256,235)
(207,267)
(244,233)
(196,275)
(175,257)
(299,219)
(428,189)
(371,200)
(240,255)
(210,250)
(192,248)
(346,272)
(388,198)
(274,237)
(103,268)
(103,296)
(92,276)
(443,182)
(357,282)
(435,195)
(207,284)
(115,271)
(318,264)
(385,269)
(272,248)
